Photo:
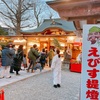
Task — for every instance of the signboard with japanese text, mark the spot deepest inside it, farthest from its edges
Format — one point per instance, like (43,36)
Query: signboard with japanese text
(90,84)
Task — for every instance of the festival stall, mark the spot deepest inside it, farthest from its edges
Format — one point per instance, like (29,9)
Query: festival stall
(75,62)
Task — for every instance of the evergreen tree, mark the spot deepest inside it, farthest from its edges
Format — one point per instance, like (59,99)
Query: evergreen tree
(3,32)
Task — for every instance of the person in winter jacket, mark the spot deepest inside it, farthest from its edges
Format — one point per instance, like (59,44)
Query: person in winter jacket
(16,64)
(33,55)
(6,62)
(56,67)
(67,56)
(12,48)
(43,58)
(20,53)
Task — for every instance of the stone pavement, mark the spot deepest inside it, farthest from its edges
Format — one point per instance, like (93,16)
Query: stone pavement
(40,87)
(23,75)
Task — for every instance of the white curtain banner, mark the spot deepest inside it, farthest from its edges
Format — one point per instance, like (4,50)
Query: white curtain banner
(90,80)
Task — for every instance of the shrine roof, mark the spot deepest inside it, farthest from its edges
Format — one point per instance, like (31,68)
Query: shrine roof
(53,23)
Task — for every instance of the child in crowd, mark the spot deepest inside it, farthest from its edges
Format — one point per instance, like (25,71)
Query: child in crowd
(38,65)
(24,61)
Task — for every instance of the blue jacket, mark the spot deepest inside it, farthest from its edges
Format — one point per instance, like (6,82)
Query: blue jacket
(6,57)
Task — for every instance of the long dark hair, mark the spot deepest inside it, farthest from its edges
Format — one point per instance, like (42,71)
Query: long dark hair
(20,47)
(58,52)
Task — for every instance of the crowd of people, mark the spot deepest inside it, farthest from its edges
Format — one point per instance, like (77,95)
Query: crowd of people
(11,61)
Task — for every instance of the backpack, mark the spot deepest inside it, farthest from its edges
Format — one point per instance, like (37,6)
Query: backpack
(43,58)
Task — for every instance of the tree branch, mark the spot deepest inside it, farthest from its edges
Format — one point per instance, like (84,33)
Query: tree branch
(8,7)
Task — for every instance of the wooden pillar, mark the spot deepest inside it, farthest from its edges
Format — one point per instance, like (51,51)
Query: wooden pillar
(77,24)
(48,44)
(40,45)
(26,44)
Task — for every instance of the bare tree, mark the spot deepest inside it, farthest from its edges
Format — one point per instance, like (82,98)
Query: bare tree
(19,14)
(38,8)
(41,11)
(15,15)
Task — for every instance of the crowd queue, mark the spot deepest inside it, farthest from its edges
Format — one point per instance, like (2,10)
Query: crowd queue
(11,61)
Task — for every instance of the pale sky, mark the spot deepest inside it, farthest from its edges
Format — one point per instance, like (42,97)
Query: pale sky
(55,14)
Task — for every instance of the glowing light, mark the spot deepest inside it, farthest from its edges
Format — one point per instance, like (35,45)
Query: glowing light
(16,46)
(62,44)
(24,47)
(71,38)
(2,38)
(45,44)
(18,40)
(46,38)
(30,43)
(36,38)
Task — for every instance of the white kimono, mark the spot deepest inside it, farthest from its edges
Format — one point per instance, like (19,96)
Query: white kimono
(56,66)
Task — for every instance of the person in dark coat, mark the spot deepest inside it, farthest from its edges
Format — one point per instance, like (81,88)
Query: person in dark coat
(13,51)
(20,53)
(16,64)
(6,61)
(43,58)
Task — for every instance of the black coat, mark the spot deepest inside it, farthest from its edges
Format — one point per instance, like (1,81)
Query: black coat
(16,63)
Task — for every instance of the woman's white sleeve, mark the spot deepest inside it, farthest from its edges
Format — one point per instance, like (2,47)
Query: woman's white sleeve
(53,62)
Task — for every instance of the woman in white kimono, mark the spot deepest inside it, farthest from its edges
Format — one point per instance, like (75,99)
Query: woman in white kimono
(56,67)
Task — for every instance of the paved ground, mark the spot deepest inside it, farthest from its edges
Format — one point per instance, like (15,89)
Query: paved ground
(40,87)
(23,75)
